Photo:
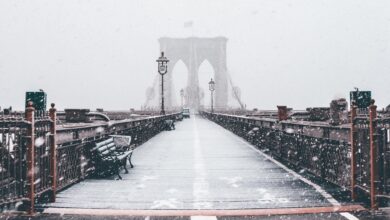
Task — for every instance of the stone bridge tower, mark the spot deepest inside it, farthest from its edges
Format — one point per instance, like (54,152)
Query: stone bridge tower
(193,51)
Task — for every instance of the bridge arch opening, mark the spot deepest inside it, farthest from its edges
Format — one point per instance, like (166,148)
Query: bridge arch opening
(205,72)
(179,81)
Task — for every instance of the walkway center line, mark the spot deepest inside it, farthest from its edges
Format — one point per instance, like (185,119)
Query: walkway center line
(200,184)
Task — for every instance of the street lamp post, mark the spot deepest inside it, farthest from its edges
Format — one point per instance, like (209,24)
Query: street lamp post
(162,70)
(212,88)
(182,96)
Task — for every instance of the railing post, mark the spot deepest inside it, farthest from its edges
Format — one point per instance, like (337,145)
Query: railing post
(31,156)
(353,151)
(373,174)
(53,151)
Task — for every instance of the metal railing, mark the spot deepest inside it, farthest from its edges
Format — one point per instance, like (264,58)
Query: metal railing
(13,164)
(42,167)
(354,157)
(370,155)
(383,140)
(25,158)
(322,156)
(361,126)
(38,158)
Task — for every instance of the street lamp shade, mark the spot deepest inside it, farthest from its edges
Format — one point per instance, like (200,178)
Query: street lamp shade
(211,85)
(162,64)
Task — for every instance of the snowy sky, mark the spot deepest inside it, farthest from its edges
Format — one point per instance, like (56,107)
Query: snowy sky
(102,53)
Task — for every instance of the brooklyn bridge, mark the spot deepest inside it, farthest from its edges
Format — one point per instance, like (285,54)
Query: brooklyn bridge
(195,161)
(194,110)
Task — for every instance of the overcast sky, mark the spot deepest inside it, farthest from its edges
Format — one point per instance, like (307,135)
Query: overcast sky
(102,53)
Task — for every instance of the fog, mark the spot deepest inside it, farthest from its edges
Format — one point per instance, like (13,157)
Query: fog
(102,53)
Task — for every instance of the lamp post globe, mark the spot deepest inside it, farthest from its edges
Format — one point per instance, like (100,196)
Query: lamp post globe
(162,68)
(212,88)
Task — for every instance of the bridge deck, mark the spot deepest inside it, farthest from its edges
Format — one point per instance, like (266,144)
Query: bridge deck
(199,165)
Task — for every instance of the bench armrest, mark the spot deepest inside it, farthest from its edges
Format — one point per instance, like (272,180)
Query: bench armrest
(125,148)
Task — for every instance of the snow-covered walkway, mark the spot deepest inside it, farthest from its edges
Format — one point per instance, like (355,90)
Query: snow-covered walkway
(199,165)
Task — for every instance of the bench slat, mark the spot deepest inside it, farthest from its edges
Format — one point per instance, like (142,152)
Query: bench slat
(110,147)
(102,143)
(105,142)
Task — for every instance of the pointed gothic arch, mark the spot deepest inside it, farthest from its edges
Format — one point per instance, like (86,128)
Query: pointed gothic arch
(205,73)
(179,79)
(193,51)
